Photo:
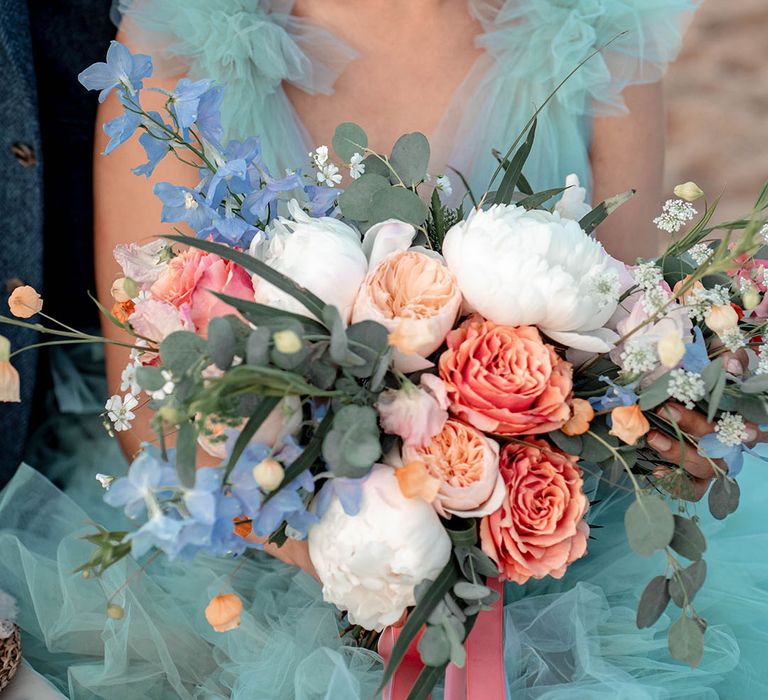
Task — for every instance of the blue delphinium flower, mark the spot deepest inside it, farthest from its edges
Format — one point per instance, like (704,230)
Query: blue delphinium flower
(209,115)
(122,68)
(288,505)
(161,531)
(149,479)
(185,101)
(155,149)
(616,395)
(229,176)
(244,486)
(120,129)
(267,190)
(348,491)
(183,204)
(696,357)
(320,199)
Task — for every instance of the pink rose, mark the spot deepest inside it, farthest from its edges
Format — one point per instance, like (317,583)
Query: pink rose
(415,413)
(467,465)
(539,530)
(189,280)
(505,379)
(155,319)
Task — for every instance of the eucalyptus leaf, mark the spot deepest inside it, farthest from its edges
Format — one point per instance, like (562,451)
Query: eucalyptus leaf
(398,203)
(711,374)
(757,384)
(649,524)
(688,539)
(221,342)
(655,394)
(352,445)
(653,601)
(434,646)
(356,200)
(715,397)
(471,591)
(186,452)
(686,641)
(349,139)
(370,342)
(752,407)
(181,350)
(150,378)
(594,450)
(570,444)
(724,497)
(686,584)
(375,165)
(410,158)
(257,347)
(454,631)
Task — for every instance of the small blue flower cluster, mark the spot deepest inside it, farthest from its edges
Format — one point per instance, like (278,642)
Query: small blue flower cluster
(236,195)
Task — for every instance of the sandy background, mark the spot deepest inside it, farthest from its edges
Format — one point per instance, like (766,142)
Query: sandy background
(717,101)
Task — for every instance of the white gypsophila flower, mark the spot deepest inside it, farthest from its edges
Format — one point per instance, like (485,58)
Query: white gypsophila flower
(655,299)
(734,339)
(443,184)
(731,429)
(329,175)
(167,388)
(763,233)
(700,301)
(700,253)
(762,360)
(370,563)
(675,214)
(105,480)
(128,378)
(647,275)
(120,411)
(532,268)
(639,356)
(686,387)
(356,166)
(319,156)
(605,285)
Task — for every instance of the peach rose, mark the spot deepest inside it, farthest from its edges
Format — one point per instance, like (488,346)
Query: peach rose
(505,379)
(467,465)
(539,530)
(629,423)
(189,279)
(25,302)
(418,289)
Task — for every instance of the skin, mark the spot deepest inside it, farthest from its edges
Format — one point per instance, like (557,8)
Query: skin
(626,151)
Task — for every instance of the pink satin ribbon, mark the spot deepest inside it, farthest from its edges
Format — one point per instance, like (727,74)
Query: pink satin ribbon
(482,677)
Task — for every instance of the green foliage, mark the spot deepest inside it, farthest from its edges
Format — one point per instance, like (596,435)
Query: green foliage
(356,200)
(263,315)
(653,601)
(264,407)
(181,350)
(515,169)
(410,159)
(570,444)
(398,203)
(186,453)
(601,212)
(221,342)
(150,378)
(655,393)
(686,641)
(723,497)
(649,524)
(686,583)
(688,539)
(352,446)
(349,139)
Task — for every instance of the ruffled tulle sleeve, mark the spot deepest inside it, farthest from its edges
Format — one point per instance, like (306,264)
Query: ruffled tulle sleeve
(532,45)
(248,46)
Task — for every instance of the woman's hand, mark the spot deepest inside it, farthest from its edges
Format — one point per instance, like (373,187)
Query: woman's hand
(696,425)
(293,552)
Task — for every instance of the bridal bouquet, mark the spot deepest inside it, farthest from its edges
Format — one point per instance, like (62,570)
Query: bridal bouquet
(418,389)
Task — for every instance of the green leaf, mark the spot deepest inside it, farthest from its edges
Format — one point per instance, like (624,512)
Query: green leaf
(534,201)
(593,450)
(655,394)
(688,539)
(512,175)
(356,200)
(653,602)
(715,396)
(471,591)
(257,347)
(265,406)
(410,159)
(724,497)
(752,407)
(186,453)
(757,384)
(181,350)
(349,139)
(425,682)
(687,583)
(463,533)
(263,315)
(434,647)
(686,641)
(601,212)
(398,203)
(313,303)
(711,374)
(221,342)
(375,165)
(370,342)
(150,378)
(352,446)
(570,444)
(438,217)
(431,598)
(649,524)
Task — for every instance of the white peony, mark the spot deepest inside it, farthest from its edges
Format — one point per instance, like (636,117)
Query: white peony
(573,204)
(323,255)
(370,563)
(534,268)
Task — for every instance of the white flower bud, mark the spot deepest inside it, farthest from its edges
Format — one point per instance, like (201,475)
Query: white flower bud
(268,474)
(671,349)
(750,298)
(689,191)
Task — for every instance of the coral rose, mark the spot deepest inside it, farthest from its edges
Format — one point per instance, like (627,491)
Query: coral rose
(467,465)
(417,288)
(539,530)
(190,278)
(505,380)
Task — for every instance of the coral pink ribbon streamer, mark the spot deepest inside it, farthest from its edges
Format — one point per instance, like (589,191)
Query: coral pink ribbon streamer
(482,677)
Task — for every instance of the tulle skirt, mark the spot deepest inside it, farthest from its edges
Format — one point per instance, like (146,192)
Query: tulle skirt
(572,638)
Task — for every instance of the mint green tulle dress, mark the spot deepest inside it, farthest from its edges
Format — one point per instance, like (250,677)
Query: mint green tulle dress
(570,638)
